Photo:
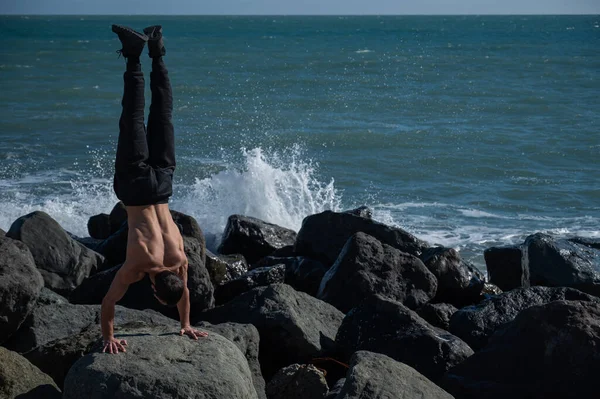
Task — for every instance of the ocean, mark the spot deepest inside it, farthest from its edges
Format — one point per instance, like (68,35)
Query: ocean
(468,131)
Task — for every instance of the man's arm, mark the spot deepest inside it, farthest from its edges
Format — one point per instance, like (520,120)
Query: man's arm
(183,307)
(117,289)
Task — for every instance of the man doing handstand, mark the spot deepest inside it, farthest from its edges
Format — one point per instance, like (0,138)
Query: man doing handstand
(144,169)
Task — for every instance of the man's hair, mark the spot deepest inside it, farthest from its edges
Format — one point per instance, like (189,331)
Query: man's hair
(169,287)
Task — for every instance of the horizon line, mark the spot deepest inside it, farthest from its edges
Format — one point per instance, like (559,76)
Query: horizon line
(299,15)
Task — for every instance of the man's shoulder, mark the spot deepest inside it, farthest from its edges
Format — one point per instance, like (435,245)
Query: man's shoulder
(130,273)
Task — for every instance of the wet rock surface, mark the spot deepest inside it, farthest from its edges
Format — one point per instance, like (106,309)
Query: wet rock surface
(20,379)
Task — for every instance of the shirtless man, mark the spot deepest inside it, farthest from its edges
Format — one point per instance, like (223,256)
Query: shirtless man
(143,181)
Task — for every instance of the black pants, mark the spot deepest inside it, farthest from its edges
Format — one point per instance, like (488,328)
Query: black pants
(145,157)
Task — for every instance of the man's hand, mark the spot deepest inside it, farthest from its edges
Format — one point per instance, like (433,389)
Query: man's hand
(114,346)
(192,333)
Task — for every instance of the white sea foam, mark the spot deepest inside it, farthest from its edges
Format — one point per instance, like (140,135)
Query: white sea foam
(364,51)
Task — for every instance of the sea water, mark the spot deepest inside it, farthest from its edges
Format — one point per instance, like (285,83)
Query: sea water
(468,131)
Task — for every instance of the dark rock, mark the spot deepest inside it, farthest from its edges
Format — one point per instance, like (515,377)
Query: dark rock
(475,324)
(547,351)
(304,274)
(562,263)
(588,242)
(2,233)
(505,268)
(247,339)
(437,314)
(20,285)
(385,326)
(99,226)
(459,283)
(114,248)
(336,389)
(21,379)
(303,327)
(49,297)
(298,381)
(376,376)
(323,236)
(362,211)
(367,267)
(190,228)
(254,238)
(284,252)
(117,217)
(223,268)
(175,367)
(89,242)
(489,290)
(254,278)
(62,261)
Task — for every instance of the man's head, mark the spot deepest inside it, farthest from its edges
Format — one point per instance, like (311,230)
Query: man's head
(168,288)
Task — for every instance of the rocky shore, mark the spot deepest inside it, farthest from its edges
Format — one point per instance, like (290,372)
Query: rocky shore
(345,308)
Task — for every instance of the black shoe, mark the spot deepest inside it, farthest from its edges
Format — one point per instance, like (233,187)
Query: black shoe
(133,42)
(156,47)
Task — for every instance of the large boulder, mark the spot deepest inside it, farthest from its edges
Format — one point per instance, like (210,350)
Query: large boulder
(160,364)
(253,237)
(254,278)
(20,285)
(21,379)
(298,381)
(301,326)
(475,324)
(114,247)
(322,236)
(247,339)
(376,376)
(223,268)
(62,261)
(366,267)
(99,226)
(304,274)
(547,351)
(118,216)
(562,263)
(505,268)
(459,283)
(385,326)
(437,314)
(587,241)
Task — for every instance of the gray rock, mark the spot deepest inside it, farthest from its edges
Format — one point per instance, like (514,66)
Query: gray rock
(253,237)
(505,268)
(562,263)
(2,233)
(547,351)
(49,297)
(301,326)
(362,211)
(475,324)
(160,364)
(304,274)
(252,279)
(20,286)
(62,261)
(118,216)
(114,247)
(224,268)
(20,379)
(437,314)
(298,381)
(323,236)
(367,267)
(376,376)
(99,226)
(90,243)
(385,326)
(285,251)
(336,389)
(459,283)
(247,339)
(588,242)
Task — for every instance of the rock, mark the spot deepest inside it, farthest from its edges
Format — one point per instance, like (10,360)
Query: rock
(489,290)
(323,236)
(223,268)
(297,381)
(505,268)
(49,297)
(459,283)
(114,248)
(2,233)
(117,217)
(362,211)
(385,326)
(367,267)
(304,274)
(547,351)
(99,226)
(56,321)
(20,285)
(91,243)
(336,389)
(475,324)
(253,238)
(247,339)
(301,326)
(284,252)
(588,242)
(190,228)
(376,376)
(562,263)
(175,367)
(437,314)
(21,379)
(62,261)
(254,278)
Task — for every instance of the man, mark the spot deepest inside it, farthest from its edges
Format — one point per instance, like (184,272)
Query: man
(143,181)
